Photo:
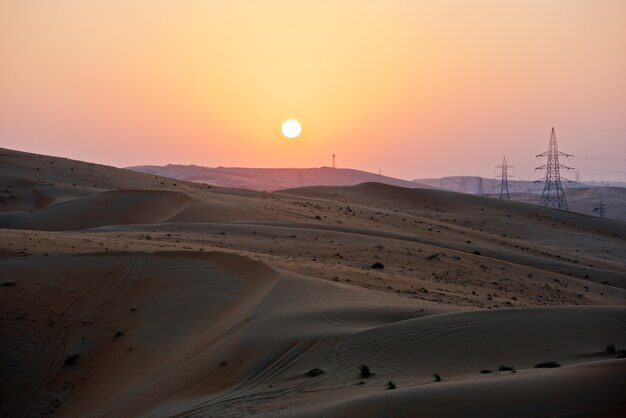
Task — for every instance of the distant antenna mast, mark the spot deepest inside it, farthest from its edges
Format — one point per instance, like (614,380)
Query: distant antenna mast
(504,179)
(462,183)
(600,209)
(334,166)
(553,194)
(481,188)
(380,176)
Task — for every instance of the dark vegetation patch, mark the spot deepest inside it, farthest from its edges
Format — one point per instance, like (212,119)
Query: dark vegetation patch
(547,365)
(365,371)
(314,372)
(504,368)
(71,359)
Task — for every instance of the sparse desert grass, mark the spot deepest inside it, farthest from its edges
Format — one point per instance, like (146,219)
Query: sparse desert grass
(70,360)
(547,365)
(314,372)
(618,352)
(365,371)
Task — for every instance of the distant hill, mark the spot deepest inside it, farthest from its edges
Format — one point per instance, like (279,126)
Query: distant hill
(581,197)
(271,179)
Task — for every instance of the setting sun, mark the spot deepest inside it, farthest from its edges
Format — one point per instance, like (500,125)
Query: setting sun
(291,128)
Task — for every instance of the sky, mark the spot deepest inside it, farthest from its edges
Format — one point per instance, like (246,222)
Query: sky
(412,88)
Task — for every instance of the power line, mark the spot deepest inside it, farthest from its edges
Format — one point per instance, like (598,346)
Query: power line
(585,170)
(585,157)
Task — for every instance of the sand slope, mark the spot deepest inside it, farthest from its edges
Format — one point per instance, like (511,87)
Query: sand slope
(99,209)
(536,393)
(202,335)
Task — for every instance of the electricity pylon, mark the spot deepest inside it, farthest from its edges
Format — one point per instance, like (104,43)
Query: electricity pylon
(553,194)
(600,209)
(504,182)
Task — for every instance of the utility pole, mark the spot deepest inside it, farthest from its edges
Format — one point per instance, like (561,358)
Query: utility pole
(504,176)
(481,189)
(462,183)
(334,166)
(553,194)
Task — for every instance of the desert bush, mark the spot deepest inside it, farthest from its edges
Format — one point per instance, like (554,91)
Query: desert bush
(504,368)
(547,365)
(610,349)
(378,265)
(391,385)
(365,371)
(485,371)
(437,377)
(70,360)
(314,372)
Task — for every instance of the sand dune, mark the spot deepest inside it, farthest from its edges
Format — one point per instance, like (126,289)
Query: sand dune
(127,294)
(99,209)
(219,337)
(520,395)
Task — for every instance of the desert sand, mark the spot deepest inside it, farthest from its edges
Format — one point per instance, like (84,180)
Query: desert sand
(131,294)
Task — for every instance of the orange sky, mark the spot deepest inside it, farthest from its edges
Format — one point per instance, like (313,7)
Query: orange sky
(414,88)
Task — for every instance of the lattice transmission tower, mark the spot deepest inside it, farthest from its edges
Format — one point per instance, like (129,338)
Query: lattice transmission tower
(504,176)
(600,209)
(553,194)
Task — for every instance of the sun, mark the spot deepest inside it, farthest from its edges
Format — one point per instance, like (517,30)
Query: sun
(291,128)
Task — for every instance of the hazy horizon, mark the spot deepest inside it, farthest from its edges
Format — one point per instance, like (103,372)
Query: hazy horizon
(415,89)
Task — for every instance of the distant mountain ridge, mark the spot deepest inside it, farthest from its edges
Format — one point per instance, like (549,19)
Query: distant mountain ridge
(272,179)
